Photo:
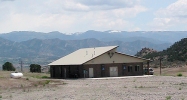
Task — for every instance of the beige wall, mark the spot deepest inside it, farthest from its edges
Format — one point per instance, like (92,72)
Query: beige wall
(116,58)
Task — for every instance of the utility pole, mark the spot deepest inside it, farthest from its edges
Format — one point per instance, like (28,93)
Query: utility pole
(160,65)
(21,64)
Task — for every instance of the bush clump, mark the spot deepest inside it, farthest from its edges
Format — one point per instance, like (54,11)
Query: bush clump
(44,77)
(180,74)
(46,82)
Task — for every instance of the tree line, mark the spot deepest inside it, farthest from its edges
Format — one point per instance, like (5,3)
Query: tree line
(7,66)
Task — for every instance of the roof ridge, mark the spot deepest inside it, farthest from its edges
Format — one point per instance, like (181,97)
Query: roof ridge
(100,54)
(100,47)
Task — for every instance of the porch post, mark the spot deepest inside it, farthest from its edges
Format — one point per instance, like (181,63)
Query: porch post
(148,66)
(50,69)
(160,64)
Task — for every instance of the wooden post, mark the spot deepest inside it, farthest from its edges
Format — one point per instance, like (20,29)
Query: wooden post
(148,67)
(21,64)
(160,65)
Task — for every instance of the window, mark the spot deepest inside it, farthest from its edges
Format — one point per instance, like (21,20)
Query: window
(137,68)
(124,67)
(130,68)
(102,67)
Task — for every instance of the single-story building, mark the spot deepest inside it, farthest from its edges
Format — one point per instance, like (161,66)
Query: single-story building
(97,62)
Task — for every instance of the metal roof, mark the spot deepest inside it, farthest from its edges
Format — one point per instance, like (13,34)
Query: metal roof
(82,55)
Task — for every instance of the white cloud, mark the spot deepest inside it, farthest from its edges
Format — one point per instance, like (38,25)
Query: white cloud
(177,9)
(109,4)
(68,15)
(172,17)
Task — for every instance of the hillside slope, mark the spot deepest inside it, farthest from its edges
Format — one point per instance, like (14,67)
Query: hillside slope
(176,52)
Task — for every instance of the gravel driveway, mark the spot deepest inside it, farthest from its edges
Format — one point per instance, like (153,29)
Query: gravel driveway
(131,88)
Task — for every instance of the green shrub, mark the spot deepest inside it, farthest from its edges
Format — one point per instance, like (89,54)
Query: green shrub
(0,96)
(21,85)
(180,74)
(36,76)
(44,77)
(141,87)
(64,83)
(47,81)
(35,85)
(39,77)
(168,97)
(27,78)
(24,90)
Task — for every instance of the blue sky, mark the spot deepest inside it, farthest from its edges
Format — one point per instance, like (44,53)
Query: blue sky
(70,16)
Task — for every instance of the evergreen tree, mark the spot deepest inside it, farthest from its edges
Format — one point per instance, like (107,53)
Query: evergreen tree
(8,67)
(35,68)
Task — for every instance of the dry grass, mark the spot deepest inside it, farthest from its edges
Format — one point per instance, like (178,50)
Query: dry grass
(29,83)
(29,80)
(171,71)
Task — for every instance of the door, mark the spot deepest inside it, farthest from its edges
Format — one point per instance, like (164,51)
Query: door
(102,71)
(91,75)
(113,71)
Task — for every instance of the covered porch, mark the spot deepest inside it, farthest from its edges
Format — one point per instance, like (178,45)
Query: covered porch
(69,71)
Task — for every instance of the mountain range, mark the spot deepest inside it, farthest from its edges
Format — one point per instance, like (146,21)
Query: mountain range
(47,50)
(42,48)
(58,47)
(156,37)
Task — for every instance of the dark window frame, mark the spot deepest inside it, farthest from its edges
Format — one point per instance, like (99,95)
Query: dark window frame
(137,68)
(130,68)
(102,67)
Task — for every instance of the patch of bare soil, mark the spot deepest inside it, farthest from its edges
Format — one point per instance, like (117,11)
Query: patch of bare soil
(143,88)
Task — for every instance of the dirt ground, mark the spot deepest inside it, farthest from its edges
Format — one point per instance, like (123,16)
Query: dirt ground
(32,87)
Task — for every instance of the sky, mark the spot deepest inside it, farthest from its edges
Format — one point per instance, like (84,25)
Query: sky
(71,16)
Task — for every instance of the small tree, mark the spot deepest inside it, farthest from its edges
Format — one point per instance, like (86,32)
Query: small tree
(8,67)
(35,68)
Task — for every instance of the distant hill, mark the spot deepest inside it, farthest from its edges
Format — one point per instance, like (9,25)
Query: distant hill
(176,52)
(156,37)
(47,50)
(145,51)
